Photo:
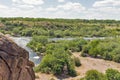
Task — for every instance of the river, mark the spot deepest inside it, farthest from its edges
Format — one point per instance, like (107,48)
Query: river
(22,42)
(85,38)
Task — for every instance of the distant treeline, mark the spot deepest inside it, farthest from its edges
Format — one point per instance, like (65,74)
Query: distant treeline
(59,27)
(60,20)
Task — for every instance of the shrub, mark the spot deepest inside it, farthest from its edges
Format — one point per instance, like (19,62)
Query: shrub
(107,49)
(55,61)
(116,58)
(107,56)
(71,68)
(94,75)
(77,61)
(112,74)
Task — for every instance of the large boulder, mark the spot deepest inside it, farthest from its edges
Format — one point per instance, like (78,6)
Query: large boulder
(14,61)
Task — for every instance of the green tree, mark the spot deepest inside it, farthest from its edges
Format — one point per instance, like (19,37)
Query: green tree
(94,75)
(112,74)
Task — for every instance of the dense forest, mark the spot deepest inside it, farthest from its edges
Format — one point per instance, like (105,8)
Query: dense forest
(58,54)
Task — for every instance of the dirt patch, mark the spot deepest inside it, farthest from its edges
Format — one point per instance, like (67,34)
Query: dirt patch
(1,25)
(42,76)
(88,63)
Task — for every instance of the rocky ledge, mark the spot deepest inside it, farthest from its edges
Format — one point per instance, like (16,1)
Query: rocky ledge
(14,61)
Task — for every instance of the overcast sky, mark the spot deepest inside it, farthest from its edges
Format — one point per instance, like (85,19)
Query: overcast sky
(83,9)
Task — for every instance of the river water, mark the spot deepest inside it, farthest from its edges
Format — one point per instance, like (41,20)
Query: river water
(22,42)
(85,38)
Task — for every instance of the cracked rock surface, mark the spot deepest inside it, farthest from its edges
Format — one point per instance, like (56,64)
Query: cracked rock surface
(14,61)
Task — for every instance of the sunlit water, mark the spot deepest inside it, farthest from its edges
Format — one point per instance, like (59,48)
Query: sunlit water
(22,42)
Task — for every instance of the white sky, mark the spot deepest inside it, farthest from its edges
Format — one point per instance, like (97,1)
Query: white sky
(83,9)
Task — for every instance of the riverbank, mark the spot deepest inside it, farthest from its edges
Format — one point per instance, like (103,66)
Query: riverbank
(22,42)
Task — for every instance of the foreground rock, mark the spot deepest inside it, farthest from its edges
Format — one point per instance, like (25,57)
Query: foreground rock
(14,61)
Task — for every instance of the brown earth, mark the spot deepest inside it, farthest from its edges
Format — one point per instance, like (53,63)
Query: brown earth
(88,63)
(2,25)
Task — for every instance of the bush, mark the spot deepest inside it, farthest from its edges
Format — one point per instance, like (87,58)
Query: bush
(112,74)
(38,44)
(85,50)
(72,73)
(40,39)
(116,58)
(117,76)
(50,64)
(107,56)
(71,68)
(107,49)
(77,61)
(55,61)
(94,75)
(77,44)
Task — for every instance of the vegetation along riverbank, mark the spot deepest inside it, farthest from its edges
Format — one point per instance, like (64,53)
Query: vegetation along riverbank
(64,58)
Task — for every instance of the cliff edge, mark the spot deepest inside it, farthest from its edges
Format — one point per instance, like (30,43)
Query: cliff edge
(14,61)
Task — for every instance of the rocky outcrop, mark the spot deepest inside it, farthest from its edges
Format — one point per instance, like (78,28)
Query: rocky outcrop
(14,61)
